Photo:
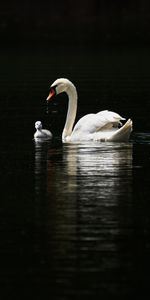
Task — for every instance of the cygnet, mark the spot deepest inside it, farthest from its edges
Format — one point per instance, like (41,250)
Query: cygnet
(41,133)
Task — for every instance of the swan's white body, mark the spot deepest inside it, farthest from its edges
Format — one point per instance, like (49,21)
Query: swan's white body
(41,133)
(103,126)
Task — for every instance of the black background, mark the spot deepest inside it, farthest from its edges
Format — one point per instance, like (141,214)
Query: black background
(76,22)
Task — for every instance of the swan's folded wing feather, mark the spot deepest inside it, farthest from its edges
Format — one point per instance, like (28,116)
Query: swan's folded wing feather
(101,121)
(115,135)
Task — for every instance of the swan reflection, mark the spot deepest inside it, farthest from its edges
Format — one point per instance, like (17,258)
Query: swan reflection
(83,182)
(107,166)
(87,195)
(84,171)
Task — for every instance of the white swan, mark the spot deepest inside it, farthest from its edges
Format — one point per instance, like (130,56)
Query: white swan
(41,133)
(103,126)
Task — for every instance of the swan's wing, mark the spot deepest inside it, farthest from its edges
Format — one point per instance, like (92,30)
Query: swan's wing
(104,120)
(121,134)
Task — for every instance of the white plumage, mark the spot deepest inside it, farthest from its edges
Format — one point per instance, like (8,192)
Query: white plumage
(41,133)
(103,126)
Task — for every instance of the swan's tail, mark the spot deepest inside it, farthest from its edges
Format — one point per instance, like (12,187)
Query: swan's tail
(123,133)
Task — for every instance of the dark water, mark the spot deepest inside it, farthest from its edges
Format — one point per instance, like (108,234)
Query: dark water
(75,219)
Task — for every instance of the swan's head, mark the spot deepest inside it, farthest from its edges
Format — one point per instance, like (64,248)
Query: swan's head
(38,125)
(59,86)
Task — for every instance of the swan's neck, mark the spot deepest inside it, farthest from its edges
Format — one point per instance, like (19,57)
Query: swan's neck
(71,113)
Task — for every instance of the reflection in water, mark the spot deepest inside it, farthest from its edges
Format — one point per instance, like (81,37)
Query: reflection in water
(83,230)
(88,202)
(41,148)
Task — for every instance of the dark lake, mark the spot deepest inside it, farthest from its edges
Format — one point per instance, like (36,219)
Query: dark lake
(75,218)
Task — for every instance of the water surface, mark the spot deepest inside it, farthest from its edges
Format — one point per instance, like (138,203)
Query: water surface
(75,218)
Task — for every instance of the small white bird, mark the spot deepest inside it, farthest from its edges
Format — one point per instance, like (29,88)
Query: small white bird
(42,133)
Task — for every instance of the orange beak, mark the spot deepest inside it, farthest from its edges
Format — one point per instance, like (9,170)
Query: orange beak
(51,94)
